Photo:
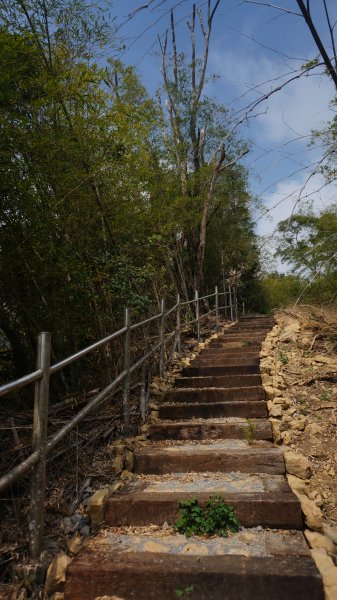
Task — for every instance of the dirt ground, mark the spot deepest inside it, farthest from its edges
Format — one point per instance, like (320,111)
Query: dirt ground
(308,366)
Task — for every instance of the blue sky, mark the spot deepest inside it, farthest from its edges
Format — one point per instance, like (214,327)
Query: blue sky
(251,46)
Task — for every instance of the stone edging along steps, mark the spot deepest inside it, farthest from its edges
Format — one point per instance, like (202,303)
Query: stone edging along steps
(211,436)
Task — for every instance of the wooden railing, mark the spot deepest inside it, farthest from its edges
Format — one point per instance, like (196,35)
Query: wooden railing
(41,445)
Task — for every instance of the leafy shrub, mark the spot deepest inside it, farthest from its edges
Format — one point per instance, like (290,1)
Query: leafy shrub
(216,518)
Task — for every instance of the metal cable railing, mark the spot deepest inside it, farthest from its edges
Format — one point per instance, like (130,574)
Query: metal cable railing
(44,370)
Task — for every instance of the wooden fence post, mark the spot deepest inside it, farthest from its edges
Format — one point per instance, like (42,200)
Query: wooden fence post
(226,301)
(178,324)
(197,313)
(143,402)
(40,429)
(216,307)
(126,386)
(162,340)
(231,302)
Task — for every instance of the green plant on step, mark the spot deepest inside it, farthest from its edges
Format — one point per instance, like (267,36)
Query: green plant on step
(283,358)
(187,591)
(249,431)
(326,396)
(216,518)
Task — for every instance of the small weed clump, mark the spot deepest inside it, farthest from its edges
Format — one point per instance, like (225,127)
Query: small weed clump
(326,396)
(283,358)
(249,431)
(181,592)
(217,518)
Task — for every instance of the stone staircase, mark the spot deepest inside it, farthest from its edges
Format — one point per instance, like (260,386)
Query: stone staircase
(213,436)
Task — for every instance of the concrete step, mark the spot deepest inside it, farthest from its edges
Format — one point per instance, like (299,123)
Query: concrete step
(225,457)
(207,410)
(215,382)
(185,395)
(249,565)
(258,499)
(210,429)
(216,370)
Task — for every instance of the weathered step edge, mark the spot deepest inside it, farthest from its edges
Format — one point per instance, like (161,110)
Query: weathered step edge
(219,394)
(249,409)
(194,430)
(201,459)
(156,577)
(223,381)
(280,510)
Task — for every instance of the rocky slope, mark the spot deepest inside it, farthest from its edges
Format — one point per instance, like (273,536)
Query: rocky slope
(299,373)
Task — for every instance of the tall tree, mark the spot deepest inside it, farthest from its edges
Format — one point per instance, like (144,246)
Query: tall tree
(201,147)
(74,164)
(308,244)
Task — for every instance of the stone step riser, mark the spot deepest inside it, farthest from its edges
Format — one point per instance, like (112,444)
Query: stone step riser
(209,431)
(224,361)
(201,371)
(240,346)
(214,382)
(280,511)
(248,319)
(198,460)
(243,329)
(251,410)
(153,576)
(229,352)
(238,337)
(216,395)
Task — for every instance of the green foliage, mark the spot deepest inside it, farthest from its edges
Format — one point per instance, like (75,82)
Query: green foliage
(279,289)
(187,591)
(215,519)
(77,227)
(326,396)
(93,215)
(249,431)
(283,357)
(307,243)
(310,64)
(231,247)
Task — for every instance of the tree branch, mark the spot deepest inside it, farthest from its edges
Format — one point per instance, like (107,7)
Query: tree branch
(281,8)
(330,31)
(306,14)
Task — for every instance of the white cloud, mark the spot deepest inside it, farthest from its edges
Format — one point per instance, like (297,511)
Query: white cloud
(291,195)
(296,110)
(281,203)
(302,105)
